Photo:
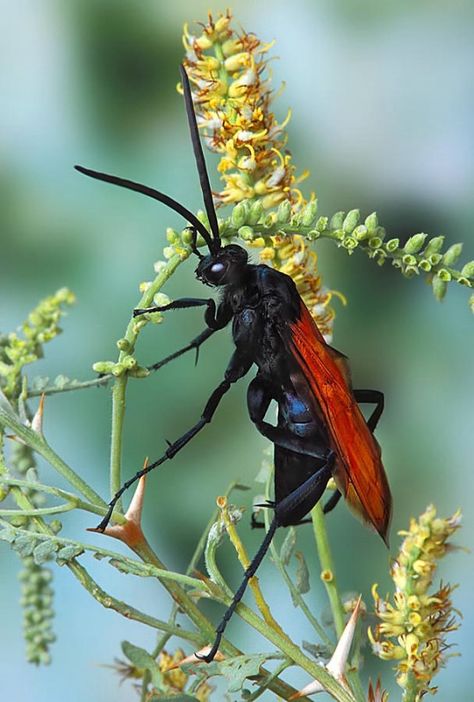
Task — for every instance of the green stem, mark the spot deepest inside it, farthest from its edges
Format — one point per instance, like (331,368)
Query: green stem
(127,610)
(120,384)
(58,492)
(328,574)
(69,387)
(37,511)
(38,443)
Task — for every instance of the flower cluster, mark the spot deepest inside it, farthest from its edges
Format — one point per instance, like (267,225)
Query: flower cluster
(41,326)
(233,99)
(417,620)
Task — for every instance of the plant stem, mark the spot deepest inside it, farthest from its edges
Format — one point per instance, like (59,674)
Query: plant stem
(120,384)
(328,575)
(37,442)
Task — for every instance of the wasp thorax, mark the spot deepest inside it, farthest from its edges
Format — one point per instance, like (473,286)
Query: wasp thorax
(224,267)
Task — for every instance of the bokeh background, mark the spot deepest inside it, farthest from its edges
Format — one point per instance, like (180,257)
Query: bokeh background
(382,115)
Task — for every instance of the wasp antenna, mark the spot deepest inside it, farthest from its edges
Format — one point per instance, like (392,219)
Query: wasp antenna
(155,194)
(200,161)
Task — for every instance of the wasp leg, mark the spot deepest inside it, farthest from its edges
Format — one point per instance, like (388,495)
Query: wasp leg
(239,365)
(377,398)
(194,344)
(181,304)
(258,400)
(315,482)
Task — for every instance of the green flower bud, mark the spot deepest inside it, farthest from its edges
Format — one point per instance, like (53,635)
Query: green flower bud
(361,232)
(238,216)
(351,221)
(246,233)
(338,234)
(425,265)
(118,370)
(464,281)
(268,221)
(203,218)
(414,243)
(123,344)
(103,366)
(392,245)
(129,362)
(452,254)
(372,222)
(434,245)
(435,258)
(309,213)
(283,212)
(409,260)
(313,234)
(350,243)
(139,372)
(380,232)
(444,275)
(410,271)
(468,270)
(322,224)
(396,263)
(187,236)
(171,236)
(375,242)
(255,212)
(439,287)
(337,220)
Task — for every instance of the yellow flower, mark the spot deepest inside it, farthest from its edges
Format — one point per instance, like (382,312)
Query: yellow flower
(419,621)
(232,98)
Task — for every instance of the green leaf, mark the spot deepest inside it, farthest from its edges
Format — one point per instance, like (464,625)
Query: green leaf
(288,546)
(138,656)
(44,551)
(237,670)
(8,534)
(302,574)
(24,545)
(67,553)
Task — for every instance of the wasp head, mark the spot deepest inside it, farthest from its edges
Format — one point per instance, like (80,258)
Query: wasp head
(222,267)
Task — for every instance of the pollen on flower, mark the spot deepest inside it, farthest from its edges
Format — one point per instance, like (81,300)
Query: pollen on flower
(417,620)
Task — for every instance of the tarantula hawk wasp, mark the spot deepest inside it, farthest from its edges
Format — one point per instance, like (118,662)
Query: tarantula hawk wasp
(320,431)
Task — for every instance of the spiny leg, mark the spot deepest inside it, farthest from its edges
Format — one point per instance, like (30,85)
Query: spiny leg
(237,368)
(180,304)
(194,344)
(316,482)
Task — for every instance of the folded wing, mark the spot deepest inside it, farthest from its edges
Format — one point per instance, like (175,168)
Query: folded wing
(359,472)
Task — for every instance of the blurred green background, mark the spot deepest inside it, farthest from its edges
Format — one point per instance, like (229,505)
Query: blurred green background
(382,115)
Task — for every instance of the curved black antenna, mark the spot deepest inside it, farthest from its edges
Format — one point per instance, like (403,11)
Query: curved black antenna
(156,195)
(200,162)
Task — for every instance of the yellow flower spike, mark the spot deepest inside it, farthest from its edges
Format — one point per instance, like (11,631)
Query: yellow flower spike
(233,106)
(417,620)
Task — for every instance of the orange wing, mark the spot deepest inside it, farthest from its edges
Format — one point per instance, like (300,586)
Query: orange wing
(359,472)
